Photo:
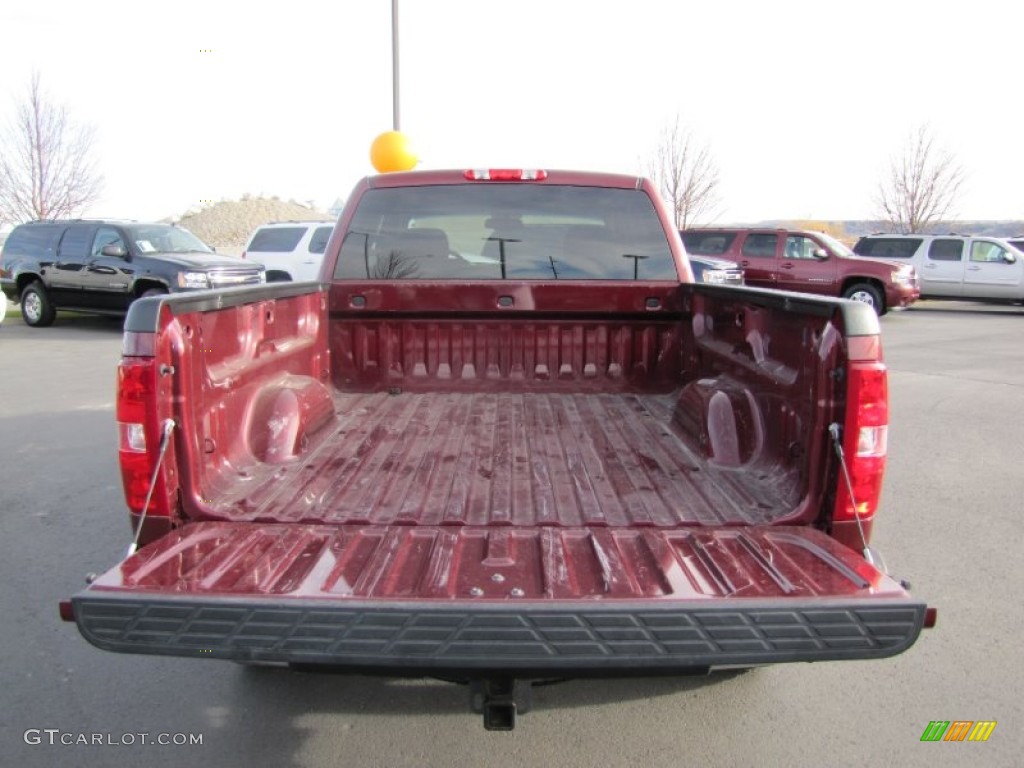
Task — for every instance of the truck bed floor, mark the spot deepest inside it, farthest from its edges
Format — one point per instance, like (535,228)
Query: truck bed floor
(521,459)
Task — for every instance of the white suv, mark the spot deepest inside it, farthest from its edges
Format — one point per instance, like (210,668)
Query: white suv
(290,250)
(955,266)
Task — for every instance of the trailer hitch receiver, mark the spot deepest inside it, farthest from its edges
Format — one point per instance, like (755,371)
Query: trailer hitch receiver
(499,700)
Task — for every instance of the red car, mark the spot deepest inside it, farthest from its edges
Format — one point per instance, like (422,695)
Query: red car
(808,262)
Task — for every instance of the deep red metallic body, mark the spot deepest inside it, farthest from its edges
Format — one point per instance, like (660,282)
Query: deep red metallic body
(625,407)
(439,563)
(500,446)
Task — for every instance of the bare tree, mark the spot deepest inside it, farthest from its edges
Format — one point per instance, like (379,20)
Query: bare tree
(686,174)
(921,186)
(46,162)
(394,266)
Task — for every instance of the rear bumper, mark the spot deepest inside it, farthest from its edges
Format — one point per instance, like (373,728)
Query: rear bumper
(522,638)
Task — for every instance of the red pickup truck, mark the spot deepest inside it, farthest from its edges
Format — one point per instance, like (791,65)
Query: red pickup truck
(506,439)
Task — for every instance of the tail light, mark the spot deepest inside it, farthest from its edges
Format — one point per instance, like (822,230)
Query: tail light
(138,431)
(865,431)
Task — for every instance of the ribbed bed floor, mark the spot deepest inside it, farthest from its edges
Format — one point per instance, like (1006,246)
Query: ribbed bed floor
(505,459)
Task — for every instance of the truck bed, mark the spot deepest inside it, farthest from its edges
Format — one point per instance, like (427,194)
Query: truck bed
(688,415)
(522,459)
(604,482)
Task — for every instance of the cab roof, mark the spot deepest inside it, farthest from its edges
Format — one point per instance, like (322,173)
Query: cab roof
(459,176)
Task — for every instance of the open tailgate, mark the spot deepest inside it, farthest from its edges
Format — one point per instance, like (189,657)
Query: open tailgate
(458,598)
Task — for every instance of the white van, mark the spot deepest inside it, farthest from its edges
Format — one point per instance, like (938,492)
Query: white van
(290,250)
(955,266)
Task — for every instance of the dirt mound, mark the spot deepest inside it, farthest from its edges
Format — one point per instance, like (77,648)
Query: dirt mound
(229,223)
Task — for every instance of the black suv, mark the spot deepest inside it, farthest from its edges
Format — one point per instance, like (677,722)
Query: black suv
(103,266)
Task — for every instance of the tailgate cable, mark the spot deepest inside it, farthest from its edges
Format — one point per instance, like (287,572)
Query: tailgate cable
(165,440)
(870,555)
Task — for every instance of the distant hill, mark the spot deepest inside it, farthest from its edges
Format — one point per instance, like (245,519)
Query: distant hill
(851,229)
(228,224)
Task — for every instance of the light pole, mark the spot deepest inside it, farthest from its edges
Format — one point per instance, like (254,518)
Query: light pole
(636,263)
(391,150)
(501,250)
(394,65)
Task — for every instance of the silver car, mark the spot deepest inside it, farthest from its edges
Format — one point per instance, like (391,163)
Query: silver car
(955,266)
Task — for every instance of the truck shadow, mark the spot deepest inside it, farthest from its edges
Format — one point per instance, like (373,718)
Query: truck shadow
(281,717)
(324,692)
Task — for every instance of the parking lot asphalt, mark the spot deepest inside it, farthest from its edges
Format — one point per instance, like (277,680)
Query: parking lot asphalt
(951,522)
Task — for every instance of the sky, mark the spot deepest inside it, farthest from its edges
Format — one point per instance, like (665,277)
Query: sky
(803,105)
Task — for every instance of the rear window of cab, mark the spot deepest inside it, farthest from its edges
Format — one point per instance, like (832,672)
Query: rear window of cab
(505,232)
